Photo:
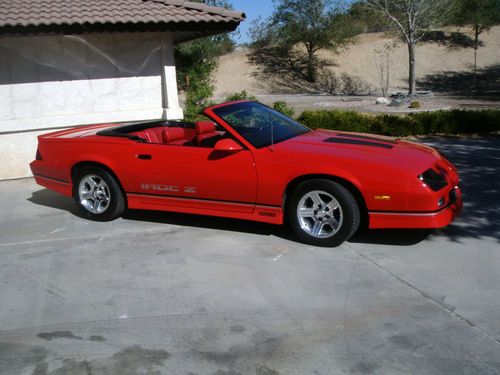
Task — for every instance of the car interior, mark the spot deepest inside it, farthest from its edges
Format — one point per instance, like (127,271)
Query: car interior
(197,134)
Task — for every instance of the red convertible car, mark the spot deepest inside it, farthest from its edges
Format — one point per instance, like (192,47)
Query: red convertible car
(248,161)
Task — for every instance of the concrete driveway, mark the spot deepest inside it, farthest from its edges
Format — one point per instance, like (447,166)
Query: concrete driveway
(159,293)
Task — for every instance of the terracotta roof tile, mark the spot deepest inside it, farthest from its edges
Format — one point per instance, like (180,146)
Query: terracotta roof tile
(45,16)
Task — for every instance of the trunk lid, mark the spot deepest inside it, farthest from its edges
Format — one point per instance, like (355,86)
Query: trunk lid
(77,132)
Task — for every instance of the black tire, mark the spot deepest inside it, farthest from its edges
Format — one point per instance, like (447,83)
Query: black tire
(111,208)
(348,213)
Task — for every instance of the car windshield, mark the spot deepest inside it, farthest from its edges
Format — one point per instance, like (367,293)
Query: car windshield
(260,125)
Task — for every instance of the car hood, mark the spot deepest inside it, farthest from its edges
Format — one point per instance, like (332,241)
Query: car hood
(364,147)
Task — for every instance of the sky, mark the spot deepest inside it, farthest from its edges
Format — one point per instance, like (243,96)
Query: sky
(253,9)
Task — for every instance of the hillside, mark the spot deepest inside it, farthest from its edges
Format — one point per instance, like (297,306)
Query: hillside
(439,67)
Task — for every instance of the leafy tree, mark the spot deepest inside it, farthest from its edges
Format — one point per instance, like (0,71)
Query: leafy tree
(412,19)
(196,61)
(481,15)
(366,21)
(312,25)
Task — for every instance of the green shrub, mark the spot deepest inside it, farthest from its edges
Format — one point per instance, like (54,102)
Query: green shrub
(439,122)
(337,120)
(415,104)
(242,95)
(284,108)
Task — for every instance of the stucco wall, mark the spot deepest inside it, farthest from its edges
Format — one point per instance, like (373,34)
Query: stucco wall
(60,81)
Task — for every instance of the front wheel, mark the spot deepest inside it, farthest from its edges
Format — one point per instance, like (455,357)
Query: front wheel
(323,213)
(98,194)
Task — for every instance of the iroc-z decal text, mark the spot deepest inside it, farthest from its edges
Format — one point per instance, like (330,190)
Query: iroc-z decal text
(169,188)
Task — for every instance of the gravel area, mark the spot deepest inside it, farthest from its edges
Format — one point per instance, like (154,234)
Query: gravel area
(368,105)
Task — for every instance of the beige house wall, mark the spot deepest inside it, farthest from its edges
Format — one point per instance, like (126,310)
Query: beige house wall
(55,82)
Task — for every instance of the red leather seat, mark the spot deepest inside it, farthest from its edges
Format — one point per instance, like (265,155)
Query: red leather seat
(175,136)
(152,135)
(206,136)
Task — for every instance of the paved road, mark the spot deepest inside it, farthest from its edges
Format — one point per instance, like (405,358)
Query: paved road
(157,293)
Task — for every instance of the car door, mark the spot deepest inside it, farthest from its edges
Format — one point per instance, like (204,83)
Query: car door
(196,177)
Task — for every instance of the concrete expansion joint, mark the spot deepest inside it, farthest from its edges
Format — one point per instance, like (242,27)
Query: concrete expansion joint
(430,298)
(97,237)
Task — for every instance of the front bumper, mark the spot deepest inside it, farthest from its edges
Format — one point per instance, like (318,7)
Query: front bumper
(435,219)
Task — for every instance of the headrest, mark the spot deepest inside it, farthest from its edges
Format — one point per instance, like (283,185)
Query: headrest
(173,134)
(203,127)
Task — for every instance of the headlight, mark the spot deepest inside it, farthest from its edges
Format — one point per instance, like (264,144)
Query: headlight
(434,180)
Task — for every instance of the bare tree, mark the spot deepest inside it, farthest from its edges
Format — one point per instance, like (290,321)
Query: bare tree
(411,19)
(382,57)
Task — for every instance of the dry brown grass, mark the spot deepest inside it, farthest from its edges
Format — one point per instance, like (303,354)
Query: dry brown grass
(236,73)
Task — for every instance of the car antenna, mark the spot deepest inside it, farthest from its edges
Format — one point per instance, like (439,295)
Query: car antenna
(272,136)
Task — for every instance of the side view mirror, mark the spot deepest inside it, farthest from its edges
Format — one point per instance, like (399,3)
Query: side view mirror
(228,145)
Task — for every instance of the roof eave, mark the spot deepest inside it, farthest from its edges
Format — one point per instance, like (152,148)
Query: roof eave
(186,30)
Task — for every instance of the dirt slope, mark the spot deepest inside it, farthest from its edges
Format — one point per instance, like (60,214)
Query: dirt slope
(437,65)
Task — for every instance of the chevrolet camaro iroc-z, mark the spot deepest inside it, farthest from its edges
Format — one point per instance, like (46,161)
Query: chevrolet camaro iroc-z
(247,161)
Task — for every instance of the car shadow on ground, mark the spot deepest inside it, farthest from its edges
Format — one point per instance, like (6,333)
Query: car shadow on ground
(387,237)
(48,198)
(391,237)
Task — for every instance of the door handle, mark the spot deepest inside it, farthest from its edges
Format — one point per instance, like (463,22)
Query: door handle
(144,157)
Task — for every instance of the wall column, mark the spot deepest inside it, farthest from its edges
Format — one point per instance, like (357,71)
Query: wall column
(170,96)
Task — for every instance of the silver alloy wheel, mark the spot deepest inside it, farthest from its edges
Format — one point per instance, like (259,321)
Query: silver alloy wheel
(94,194)
(319,214)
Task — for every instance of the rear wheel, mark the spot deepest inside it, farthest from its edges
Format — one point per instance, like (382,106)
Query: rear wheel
(98,194)
(323,213)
